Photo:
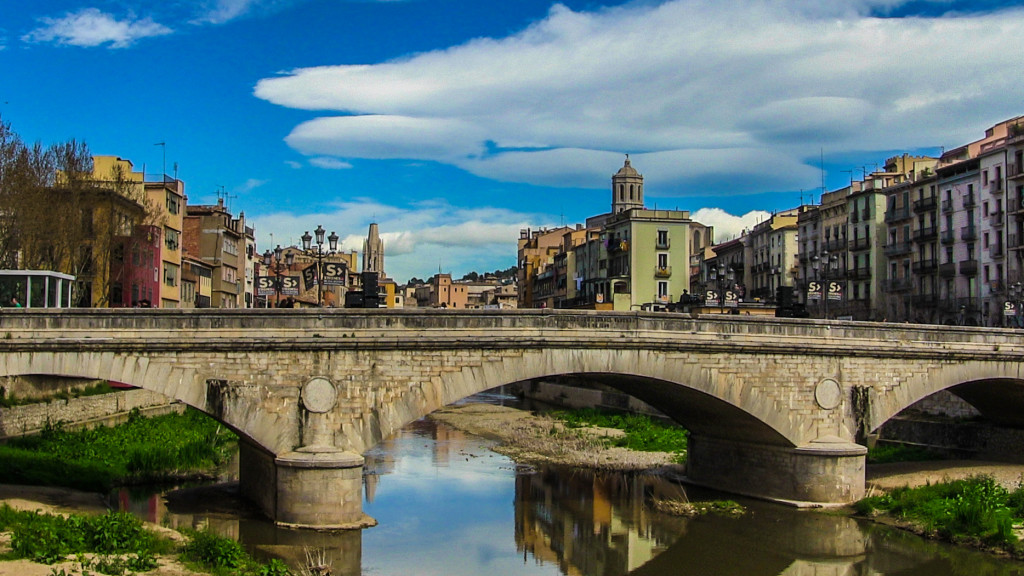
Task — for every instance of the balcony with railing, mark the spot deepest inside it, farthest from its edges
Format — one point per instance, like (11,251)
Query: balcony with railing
(924,266)
(947,205)
(924,300)
(926,233)
(897,214)
(860,273)
(968,233)
(662,271)
(969,267)
(854,217)
(996,251)
(860,244)
(948,237)
(1014,171)
(925,204)
(897,285)
(835,244)
(969,202)
(898,249)
(865,214)
(947,269)
(995,186)
(997,219)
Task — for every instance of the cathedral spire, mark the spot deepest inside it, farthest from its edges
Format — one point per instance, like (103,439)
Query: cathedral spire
(373,252)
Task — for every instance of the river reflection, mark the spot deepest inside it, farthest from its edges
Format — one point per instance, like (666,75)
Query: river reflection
(449,505)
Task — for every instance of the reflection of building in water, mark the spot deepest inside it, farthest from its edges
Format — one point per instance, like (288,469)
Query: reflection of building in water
(448,443)
(589,524)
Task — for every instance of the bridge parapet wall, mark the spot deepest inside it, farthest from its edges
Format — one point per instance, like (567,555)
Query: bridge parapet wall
(341,380)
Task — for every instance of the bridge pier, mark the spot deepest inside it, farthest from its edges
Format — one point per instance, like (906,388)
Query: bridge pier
(321,490)
(828,470)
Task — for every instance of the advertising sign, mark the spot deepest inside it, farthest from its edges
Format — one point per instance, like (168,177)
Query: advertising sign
(335,273)
(289,285)
(711,298)
(1009,308)
(814,291)
(309,277)
(732,299)
(835,291)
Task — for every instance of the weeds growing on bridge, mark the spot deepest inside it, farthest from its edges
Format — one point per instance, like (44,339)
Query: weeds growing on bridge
(140,450)
(976,509)
(642,433)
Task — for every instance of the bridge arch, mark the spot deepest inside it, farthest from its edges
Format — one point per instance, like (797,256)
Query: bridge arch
(680,386)
(995,389)
(175,381)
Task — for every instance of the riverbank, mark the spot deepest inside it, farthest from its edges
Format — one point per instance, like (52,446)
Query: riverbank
(65,501)
(540,439)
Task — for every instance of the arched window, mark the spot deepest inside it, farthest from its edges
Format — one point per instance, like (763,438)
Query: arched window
(622,193)
(631,196)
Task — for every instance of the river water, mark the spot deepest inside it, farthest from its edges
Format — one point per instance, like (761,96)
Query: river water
(448,505)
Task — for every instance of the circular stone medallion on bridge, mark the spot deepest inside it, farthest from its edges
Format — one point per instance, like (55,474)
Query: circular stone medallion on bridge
(319,395)
(828,394)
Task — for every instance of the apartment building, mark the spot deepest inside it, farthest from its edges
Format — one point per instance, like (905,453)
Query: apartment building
(211,234)
(629,258)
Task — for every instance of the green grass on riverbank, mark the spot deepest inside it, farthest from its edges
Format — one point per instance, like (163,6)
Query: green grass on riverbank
(642,433)
(118,543)
(975,509)
(139,450)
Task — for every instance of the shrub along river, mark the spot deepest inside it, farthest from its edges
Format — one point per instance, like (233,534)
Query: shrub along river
(449,505)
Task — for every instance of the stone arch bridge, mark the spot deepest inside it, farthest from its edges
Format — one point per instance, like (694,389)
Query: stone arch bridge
(774,406)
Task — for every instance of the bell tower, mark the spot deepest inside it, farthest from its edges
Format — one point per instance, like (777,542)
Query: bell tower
(627,189)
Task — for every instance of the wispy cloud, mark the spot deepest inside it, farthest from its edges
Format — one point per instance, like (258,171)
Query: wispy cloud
(90,27)
(223,11)
(250,185)
(712,96)
(329,163)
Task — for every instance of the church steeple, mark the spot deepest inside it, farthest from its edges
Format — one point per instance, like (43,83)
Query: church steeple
(373,252)
(627,189)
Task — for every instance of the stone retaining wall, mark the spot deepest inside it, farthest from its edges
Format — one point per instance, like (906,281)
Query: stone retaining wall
(103,409)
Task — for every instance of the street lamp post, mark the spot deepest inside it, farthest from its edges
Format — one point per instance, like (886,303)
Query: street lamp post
(319,254)
(722,280)
(272,260)
(826,261)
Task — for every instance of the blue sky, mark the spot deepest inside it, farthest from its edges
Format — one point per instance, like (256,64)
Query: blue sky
(455,123)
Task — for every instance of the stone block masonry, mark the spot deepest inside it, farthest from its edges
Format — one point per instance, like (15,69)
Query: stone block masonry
(310,390)
(101,410)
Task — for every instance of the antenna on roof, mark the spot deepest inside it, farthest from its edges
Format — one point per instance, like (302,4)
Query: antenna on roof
(821,165)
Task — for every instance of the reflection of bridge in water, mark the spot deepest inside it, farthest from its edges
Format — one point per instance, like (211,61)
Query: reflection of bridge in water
(773,405)
(590,525)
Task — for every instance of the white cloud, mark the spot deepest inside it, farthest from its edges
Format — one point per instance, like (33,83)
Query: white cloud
(293,164)
(728,226)
(329,163)
(90,27)
(725,96)
(417,240)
